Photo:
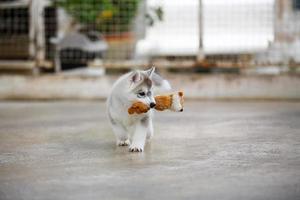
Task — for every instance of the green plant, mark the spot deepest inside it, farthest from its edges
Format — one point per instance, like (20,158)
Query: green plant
(106,15)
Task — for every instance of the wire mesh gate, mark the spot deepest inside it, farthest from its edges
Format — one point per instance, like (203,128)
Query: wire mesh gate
(117,33)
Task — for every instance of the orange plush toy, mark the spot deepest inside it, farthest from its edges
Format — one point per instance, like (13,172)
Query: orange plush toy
(172,102)
(138,108)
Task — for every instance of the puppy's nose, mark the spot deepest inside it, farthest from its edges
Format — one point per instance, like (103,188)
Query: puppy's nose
(181,110)
(152,105)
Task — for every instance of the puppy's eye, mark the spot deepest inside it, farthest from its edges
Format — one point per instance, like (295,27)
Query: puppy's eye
(141,94)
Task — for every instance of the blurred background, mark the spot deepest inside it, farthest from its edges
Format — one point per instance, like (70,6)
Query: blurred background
(52,36)
(97,38)
(237,62)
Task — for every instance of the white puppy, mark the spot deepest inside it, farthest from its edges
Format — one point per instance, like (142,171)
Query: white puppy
(131,87)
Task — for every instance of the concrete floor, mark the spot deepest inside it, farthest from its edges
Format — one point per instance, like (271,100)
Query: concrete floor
(213,150)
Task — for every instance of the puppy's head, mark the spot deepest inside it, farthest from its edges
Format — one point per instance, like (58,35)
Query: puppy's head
(141,87)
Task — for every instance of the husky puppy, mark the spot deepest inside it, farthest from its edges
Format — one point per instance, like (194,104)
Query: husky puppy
(131,87)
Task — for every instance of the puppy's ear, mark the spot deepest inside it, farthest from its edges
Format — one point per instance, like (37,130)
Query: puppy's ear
(136,77)
(150,71)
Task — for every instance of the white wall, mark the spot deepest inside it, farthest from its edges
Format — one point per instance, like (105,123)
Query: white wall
(243,26)
(229,27)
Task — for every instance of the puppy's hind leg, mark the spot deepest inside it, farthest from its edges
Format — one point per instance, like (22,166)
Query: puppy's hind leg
(120,132)
(121,135)
(150,129)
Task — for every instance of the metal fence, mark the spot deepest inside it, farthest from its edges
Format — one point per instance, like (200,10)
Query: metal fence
(64,34)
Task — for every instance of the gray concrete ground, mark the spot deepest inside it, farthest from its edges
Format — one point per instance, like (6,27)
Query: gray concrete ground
(213,150)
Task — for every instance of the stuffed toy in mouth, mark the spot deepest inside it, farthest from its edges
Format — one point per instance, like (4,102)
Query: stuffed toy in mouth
(173,102)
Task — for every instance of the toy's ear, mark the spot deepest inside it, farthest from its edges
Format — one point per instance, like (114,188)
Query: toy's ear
(150,72)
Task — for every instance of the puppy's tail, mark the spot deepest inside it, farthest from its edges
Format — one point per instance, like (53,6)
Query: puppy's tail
(161,85)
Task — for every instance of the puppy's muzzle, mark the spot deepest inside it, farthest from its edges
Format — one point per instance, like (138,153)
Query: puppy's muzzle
(152,105)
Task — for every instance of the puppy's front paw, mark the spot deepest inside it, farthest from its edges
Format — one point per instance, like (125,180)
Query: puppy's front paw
(123,142)
(136,148)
